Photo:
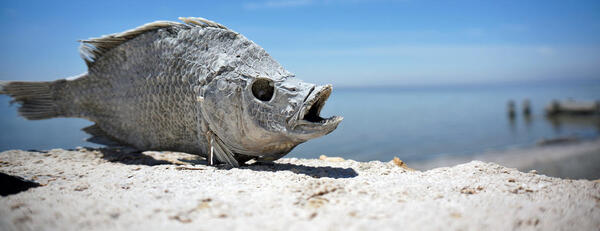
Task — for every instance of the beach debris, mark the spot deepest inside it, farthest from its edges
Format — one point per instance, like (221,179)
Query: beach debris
(181,218)
(331,159)
(317,193)
(520,189)
(571,107)
(469,190)
(188,168)
(398,162)
(195,87)
(82,187)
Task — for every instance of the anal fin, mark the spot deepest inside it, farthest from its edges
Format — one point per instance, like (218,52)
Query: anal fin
(99,136)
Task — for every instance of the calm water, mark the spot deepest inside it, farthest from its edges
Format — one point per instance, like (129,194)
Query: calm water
(380,123)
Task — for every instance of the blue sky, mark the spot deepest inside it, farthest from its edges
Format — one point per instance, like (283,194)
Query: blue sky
(347,43)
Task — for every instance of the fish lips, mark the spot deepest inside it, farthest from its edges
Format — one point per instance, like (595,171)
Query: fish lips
(308,120)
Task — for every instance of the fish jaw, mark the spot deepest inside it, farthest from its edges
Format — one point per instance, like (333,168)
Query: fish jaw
(307,122)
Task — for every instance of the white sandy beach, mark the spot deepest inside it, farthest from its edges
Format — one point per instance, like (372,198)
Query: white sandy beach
(106,190)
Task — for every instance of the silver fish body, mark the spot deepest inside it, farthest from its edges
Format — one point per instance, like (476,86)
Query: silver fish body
(193,87)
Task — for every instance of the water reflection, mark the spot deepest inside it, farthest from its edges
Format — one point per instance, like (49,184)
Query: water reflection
(527,118)
(557,119)
(560,121)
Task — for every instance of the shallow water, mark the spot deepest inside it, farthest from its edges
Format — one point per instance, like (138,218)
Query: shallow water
(380,123)
(420,123)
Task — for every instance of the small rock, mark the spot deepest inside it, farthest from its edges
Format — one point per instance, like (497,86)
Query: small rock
(181,219)
(82,187)
(467,190)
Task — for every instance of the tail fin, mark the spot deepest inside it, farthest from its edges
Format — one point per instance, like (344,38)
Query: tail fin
(38,99)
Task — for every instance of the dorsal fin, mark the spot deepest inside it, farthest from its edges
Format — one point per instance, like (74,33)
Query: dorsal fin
(197,21)
(93,48)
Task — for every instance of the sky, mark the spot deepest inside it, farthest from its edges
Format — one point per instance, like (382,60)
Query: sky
(346,43)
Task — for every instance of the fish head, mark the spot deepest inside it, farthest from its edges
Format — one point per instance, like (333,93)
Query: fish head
(267,117)
(255,106)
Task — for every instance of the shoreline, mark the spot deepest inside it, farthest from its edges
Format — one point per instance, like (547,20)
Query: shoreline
(573,160)
(99,189)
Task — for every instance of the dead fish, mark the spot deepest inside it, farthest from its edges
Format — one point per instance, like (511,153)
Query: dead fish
(195,87)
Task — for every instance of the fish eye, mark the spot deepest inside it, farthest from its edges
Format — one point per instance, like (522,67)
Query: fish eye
(263,89)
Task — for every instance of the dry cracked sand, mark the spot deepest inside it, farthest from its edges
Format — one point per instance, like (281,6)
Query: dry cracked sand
(101,189)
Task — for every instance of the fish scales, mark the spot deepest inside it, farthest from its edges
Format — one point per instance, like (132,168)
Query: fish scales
(139,97)
(194,87)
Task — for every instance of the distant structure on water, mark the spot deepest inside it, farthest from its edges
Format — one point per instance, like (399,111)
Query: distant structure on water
(526,107)
(511,109)
(571,107)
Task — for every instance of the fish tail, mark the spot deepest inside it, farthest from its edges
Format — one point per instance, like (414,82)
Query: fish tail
(38,99)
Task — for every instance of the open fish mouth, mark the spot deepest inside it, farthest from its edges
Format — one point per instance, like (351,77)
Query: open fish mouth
(310,112)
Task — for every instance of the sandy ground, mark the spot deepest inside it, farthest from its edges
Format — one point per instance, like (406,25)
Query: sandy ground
(107,190)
